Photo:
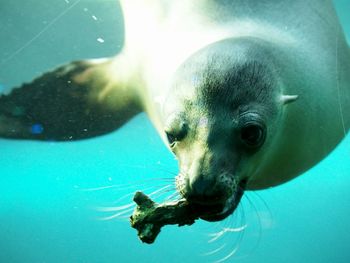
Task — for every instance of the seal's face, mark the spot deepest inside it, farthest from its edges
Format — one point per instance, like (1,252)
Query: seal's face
(216,122)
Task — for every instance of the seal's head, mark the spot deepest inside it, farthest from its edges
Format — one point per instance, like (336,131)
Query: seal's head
(219,119)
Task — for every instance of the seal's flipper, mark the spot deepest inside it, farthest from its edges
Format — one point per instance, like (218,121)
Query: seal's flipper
(79,100)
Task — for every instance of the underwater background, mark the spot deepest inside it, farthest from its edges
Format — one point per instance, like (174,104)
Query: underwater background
(55,197)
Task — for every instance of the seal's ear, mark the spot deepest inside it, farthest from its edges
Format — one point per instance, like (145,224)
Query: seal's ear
(286,99)
(76,101)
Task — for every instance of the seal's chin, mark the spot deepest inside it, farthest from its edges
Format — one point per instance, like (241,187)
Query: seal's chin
(217,212)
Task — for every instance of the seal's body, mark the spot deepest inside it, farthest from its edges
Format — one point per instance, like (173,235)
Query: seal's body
(247,94)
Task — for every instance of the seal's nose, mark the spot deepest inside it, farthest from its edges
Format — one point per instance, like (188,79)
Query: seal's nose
(201,189)
(201,185)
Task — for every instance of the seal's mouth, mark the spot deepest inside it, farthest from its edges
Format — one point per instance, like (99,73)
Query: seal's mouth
(216,212)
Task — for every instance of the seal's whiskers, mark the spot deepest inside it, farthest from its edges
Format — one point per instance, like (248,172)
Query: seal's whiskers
(120,210)
(118,215)
(114,208)
(174,196)
(227,231)
(133,184)
(214,251)
(228,256)
(216,236)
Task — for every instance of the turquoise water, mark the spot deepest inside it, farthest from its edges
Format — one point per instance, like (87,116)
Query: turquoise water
(48,200)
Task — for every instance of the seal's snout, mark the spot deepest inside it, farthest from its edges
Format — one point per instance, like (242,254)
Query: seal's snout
(199,185)
(215,195)
(204,190)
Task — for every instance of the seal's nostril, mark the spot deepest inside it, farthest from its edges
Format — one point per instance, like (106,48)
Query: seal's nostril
(201,186)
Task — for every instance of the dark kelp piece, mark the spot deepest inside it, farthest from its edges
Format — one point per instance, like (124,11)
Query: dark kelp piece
(149,217)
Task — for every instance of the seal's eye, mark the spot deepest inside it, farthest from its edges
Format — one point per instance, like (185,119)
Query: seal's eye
(171,138)
(176,134)
(253,135)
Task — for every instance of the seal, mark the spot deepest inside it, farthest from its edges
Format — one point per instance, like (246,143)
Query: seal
(247,95)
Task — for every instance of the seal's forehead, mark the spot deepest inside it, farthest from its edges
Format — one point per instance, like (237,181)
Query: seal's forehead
(227,91)
(236,85)
(228,77)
